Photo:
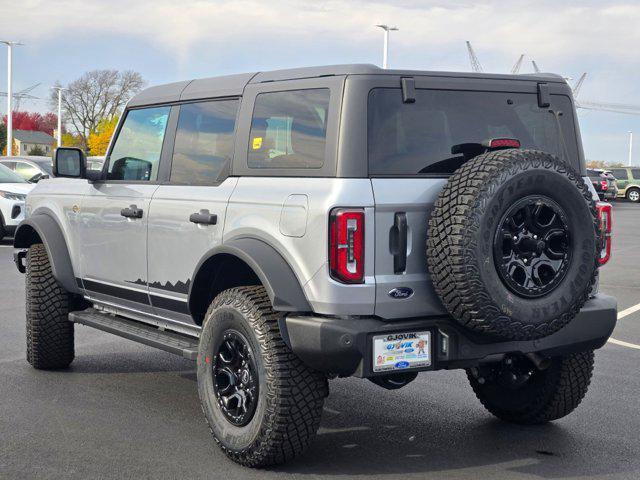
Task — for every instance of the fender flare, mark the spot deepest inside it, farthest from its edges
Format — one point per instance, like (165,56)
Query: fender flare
(50,233)
(275,274)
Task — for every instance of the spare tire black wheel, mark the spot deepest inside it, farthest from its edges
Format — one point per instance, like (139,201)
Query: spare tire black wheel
(513,244)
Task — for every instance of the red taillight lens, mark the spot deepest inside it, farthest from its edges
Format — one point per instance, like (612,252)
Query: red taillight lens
(504,143)
(346,245)
(605,219)
(604,184)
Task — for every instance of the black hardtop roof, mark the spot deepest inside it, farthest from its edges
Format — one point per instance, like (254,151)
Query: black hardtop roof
(233,85)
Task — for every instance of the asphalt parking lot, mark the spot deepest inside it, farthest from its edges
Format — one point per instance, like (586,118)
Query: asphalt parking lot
(127,411)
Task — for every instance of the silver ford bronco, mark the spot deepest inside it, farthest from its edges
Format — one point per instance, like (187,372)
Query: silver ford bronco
(285,228)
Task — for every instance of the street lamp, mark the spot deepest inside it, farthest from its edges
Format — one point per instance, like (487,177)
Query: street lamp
(385,52)
(630,145)
(10,46)
(59,89)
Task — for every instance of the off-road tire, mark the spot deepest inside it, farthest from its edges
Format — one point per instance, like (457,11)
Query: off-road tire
(291,395)
(551,394)
(461,235)
(631,197)
(50,335)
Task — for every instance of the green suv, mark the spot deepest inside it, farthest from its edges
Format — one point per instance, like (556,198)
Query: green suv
(628,181)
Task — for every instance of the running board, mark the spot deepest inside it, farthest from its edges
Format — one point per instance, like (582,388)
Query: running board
(179,344)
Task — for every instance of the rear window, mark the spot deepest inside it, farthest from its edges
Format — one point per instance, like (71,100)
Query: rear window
(419,138)
(620,173)
(289,129)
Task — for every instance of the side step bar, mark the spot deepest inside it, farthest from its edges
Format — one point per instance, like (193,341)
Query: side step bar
(179,344)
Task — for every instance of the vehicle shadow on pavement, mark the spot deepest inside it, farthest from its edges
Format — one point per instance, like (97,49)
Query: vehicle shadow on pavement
(394,433)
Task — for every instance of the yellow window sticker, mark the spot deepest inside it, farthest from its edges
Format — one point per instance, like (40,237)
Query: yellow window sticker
(257,143)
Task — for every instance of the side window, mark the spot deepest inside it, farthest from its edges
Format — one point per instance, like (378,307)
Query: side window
(204,142)
(136,152)
(620,173)
(635,173)
(289,129)
(25,170)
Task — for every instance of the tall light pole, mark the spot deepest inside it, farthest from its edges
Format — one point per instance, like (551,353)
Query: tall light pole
(59,89)
(10,46)
(630,145)
(385,52)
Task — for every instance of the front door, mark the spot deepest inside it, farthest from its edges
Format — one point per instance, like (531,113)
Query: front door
(114,214)
(187,213)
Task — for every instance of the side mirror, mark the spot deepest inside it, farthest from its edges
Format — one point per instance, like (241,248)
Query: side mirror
(69,162)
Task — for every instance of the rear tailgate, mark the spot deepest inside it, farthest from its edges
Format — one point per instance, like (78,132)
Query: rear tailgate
(412,148)
(413,199)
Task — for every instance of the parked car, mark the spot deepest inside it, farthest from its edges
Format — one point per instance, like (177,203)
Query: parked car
(605,184)
(13,192)
(31,168)
(285,228)
(628,182)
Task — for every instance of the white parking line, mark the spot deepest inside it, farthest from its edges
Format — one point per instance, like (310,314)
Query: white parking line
(621,315)
(623,344)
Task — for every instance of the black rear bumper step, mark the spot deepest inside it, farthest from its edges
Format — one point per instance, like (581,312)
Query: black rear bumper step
(179,344)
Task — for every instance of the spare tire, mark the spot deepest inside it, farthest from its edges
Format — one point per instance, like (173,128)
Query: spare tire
(512,246)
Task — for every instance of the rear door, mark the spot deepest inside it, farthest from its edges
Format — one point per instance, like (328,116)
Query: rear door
(411,153)
(187,213)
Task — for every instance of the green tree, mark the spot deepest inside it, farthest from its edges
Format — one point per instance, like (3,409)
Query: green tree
(37,151)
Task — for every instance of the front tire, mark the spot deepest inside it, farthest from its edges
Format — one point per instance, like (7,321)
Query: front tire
(262,404)
(513,396)
(50,334)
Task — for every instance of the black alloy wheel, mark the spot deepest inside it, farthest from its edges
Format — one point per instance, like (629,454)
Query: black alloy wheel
(235,379)
(532,246)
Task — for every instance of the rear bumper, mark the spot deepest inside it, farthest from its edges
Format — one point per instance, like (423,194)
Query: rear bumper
(343,346)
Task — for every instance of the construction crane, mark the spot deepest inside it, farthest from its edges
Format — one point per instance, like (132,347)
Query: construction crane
(475,63)
(577,86)
(516,68)
(21,95)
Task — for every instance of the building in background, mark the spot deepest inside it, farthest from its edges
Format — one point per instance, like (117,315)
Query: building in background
(28,141)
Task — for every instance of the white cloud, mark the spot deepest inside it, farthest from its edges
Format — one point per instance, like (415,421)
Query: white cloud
(542,28)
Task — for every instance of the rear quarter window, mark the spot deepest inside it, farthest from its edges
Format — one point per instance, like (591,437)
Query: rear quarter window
(289,129)
(635,173)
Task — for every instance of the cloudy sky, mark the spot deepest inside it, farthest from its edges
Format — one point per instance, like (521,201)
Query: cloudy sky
(168,40)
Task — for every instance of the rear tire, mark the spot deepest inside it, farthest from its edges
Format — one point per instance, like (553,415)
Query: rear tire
(633,195)
(547,395)
(50,334)
(282,398)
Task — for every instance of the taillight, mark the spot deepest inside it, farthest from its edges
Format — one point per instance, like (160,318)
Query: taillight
(604,217)
(346,245)
(604,184)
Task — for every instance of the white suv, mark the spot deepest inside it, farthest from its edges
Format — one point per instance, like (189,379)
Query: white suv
(13,192)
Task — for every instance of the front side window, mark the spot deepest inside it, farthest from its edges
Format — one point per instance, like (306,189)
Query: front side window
(136,152)
(620,173)
(289,129)
(436,134)
(204,142)
(635,173)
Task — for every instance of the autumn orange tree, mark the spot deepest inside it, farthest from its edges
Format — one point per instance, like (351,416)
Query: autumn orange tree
(98,140)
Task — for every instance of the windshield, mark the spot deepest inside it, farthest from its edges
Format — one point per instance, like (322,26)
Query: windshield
(419,138)
(7,176)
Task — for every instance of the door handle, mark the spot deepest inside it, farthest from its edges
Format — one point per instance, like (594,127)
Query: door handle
(398,242)
(203,217)
(131,212)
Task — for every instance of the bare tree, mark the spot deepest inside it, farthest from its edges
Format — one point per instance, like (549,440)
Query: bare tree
(96,95)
